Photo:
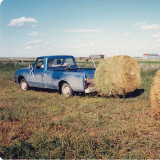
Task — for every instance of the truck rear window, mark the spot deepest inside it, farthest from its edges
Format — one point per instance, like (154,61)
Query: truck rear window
(57,62)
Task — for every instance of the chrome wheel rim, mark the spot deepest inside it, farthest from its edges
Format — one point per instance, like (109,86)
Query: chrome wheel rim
(23,86)
(66,90)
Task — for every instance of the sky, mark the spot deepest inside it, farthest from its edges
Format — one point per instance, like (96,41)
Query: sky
(32,28)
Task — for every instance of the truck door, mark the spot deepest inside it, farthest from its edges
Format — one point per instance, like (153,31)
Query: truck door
(37,73)
(49,78)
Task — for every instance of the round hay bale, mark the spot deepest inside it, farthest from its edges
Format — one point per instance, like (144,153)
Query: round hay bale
(155,91)
(117,75)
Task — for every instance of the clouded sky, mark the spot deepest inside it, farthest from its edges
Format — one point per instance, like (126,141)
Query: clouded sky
(31,28)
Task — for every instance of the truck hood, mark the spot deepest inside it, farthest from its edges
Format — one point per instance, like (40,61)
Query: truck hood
(22,70)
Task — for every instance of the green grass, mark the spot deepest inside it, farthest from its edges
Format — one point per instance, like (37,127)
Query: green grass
(45,125)
(140,60)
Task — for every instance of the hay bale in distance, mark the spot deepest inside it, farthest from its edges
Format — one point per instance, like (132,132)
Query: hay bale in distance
(155,91)
(117,75)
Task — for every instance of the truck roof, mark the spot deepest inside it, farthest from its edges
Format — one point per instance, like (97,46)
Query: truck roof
(56,56)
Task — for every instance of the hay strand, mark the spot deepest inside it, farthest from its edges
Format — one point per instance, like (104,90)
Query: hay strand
(155,91)
(117,75)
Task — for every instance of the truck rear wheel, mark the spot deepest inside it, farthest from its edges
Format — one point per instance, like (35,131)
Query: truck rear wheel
(24,85)
(66,90)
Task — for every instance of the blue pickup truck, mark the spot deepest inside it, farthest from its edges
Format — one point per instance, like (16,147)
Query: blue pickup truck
(56,72)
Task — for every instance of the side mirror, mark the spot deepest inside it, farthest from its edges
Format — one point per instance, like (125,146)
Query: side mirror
(67,68)
(30,66)
(31,69)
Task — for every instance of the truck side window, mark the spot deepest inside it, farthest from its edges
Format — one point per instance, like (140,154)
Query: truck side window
(50,63)
(40,64)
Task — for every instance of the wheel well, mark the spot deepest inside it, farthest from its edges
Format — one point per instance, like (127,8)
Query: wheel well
(60,85)
(20,78)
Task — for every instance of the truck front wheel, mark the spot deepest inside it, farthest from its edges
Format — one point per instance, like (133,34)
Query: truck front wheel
(66,90)
(24,85)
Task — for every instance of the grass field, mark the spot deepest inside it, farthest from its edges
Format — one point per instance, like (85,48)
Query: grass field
(41,124)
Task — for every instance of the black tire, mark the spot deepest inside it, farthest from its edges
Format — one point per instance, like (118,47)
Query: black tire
(24,85)
(66,90)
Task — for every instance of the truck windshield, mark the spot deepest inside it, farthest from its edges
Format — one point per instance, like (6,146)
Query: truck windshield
(57,62)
